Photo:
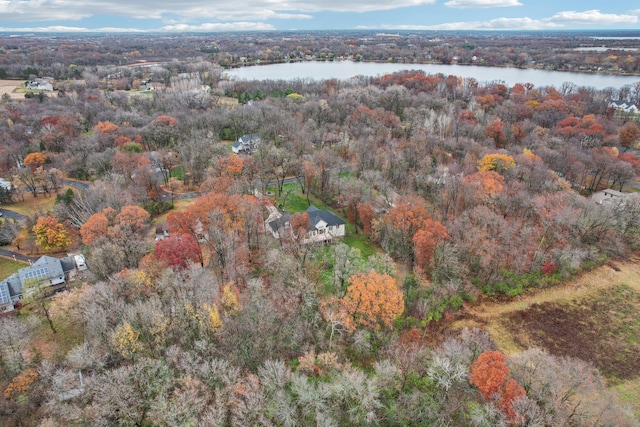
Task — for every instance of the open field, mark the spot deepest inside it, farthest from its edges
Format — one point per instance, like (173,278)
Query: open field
(32,204)
(9,87)
(595,317)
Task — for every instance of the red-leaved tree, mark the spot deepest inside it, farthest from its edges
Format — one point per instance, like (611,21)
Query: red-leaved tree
(490,374)
(178,250)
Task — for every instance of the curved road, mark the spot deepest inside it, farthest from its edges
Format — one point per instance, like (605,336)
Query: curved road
(7,213)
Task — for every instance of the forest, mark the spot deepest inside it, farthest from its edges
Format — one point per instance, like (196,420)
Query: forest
(453,193)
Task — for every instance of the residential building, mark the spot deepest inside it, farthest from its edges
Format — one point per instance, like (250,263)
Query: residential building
(324,225)
(52,271)
(624,107)
(246,143)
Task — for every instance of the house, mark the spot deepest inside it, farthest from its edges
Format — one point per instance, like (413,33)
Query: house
(624,107)
(608,196)
(324,225)
(246,143)
(39,85)
(279,225)
(5,184)
(51,271)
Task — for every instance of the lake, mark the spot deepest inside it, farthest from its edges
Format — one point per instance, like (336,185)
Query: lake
(319,70)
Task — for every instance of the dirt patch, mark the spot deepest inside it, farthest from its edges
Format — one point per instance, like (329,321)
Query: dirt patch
(603,329)
(595,317)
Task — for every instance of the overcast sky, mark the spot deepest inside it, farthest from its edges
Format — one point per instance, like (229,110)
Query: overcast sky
(385,15)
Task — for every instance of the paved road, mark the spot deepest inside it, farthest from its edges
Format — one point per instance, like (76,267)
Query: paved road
(17,256)
(80,185)
(8,213)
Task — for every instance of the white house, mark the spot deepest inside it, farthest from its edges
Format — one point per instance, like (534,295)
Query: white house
(39,85)
(246,143)
(624,107)
(608,196)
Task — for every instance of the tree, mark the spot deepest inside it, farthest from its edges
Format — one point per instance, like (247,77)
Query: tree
(37,292)
(178,250)
(495,131)
(35,160)
(498,162)
(425,241)
(490,373)
(629,135)
(396,229)
(373,300)
(96,227)
(132,216)
(50,234)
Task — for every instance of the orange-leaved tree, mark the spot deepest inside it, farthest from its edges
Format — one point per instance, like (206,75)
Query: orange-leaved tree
(490,374)
(130,220)
(35,160)
(425,241)
(96,227)
(373,300)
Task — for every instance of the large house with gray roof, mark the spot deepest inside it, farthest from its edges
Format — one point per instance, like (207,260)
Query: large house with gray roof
(324,225)
(51,271)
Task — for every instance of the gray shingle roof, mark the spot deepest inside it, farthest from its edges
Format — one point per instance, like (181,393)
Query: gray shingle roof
(316,215)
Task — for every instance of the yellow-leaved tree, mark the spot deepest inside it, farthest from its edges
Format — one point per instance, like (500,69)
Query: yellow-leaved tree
(50,234)
(125,340)
(496,162)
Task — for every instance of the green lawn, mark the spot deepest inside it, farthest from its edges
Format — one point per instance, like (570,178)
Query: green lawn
(8,267)
(361,242)
(297,202)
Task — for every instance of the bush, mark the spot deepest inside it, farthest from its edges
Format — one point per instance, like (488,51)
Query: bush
(157,208)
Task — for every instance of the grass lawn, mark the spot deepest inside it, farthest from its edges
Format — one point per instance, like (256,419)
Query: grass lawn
(629,392)
(8,267)
(32,204)
(361,242)
(297,202)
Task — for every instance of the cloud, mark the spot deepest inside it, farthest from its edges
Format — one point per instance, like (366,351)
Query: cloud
(223,10)
(557,21)
(494,24)
(593,16)
(474,4)
(225,26)
(65,29)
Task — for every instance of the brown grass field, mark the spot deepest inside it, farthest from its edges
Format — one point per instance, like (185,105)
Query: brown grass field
(9,87)
(595,317)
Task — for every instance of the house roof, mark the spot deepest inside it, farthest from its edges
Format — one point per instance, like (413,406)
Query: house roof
(278,223)
(4,183)
(45,267)
(248,138)
(316,215)
(13,284)
(67,263)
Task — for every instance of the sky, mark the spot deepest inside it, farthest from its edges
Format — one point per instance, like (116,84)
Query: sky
(281,15)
